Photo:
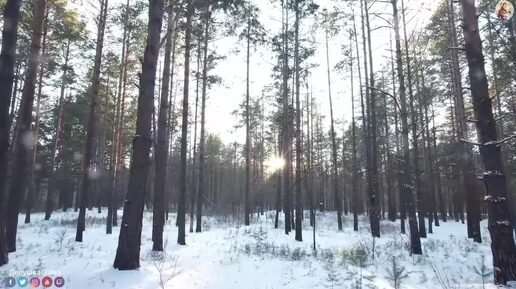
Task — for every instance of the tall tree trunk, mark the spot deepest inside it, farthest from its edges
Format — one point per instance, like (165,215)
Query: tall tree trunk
(500,121)
(160,177)
(194,179)
(466,161)
(11,14)
(406,194)
(184,129)
(118,124)
(32,177)
(392,199)
(437,171)
(23,144)
(299,197)
(374,210)
(354,168)
(335,177)
(202,150)
(129,241)
(502,240)
(309,163)
(415,149)
(286,124)
(88,162)
(247,128)
(56,142)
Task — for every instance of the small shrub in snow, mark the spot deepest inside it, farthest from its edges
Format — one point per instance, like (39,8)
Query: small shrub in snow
(165,268)
(443,279)
(284,251)
(396,273)
(333,278)
(357,255)
(59,239)
(483,271)
(298,254)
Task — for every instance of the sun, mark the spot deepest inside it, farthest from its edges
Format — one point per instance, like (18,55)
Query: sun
(274,164)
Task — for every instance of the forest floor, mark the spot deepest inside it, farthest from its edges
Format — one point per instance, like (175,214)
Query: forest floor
(227,255)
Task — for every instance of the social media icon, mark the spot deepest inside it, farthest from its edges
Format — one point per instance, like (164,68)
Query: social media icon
(46,281)
(59,282)
(34,282)
(23,281)
(9,282)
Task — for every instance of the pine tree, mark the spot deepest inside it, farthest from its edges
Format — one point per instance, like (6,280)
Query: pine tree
(500,227)
(129,240)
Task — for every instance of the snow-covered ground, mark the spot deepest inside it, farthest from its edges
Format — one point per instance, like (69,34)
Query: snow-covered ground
(228,255)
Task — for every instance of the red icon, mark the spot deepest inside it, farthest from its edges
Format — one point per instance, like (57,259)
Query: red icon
(46,281)
(34,282)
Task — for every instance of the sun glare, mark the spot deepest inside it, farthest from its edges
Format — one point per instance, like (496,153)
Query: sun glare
(274,164)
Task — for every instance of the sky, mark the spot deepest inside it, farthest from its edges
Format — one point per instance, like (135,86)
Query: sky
(225,98)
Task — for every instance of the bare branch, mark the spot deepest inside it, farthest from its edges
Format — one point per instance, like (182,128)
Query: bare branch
(386,93)
(470,142)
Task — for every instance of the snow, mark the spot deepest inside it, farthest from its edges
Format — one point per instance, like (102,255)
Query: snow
(228,255)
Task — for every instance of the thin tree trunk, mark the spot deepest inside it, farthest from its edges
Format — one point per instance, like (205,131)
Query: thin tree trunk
(202,163)
(335,180)
(160,177)
(184,129)
(57,137)
(406,193)
(286,123)
(374,210)
(31,190)
(194,180)
(117,135)
(88,165)
(415,148)
(247,129)
(354,169)
(299,198)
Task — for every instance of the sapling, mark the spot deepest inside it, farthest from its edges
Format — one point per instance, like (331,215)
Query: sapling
(332,277)
(483,271)
(397,273)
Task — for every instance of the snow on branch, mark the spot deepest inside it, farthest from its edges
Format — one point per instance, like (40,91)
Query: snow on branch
(490,142)
(492,199)
(471,142)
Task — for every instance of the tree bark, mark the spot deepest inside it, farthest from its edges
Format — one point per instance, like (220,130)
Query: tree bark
(22,149)
(499,224)
(160,176)
(354,168)
(129,241)
(374,210)
(202,144)
(406,194)
(88,162)
(285,133)
(247,129)
(335,181)
(33,164)
(420,204)
(11,14)
(299,198)
(184,128)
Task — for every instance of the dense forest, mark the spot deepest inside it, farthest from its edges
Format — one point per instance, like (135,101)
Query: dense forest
(368,114)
